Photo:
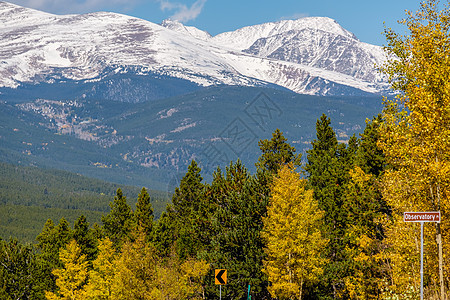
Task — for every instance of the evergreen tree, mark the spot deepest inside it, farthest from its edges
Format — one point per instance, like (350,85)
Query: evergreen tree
(118,223)
(45,242)
(97,232)
(185,196)
(52,239)
(85,238)
(164,235)
(328,169)
(276,152)
(370,157)
(236,244)
(20,276)
(144,213)
(186,212)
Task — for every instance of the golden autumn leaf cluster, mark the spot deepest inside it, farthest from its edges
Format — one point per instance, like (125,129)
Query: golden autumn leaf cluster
(415,137)
(135,272)
(294,241)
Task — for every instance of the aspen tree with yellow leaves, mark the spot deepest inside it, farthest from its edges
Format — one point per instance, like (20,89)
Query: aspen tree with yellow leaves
(72,277)
(102,275)
(293,238)
(141,274)
(415,137)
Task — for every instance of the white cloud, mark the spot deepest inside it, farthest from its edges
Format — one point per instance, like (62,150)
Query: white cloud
(75,6)
(183,12)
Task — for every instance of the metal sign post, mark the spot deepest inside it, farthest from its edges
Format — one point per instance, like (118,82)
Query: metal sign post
(421,260)
(422,217)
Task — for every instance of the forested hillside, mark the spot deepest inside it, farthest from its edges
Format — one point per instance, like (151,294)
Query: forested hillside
(29,196)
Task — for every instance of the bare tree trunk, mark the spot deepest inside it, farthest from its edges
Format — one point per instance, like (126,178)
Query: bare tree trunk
(439,243)
(290,270)
(301,289)
(437,206)
(441,264)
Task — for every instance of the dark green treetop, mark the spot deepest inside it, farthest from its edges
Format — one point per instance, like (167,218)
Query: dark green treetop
(21,275)
(276,152)
(370,157)
(144,213)
(118,224)
(85,237)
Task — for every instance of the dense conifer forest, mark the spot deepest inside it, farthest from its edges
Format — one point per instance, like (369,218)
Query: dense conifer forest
(29,196)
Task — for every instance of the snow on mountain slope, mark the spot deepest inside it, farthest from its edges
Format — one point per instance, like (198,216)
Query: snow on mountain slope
(35,46)
(315,42)
(193,31)
(244,37)
(81,46)
(324,50)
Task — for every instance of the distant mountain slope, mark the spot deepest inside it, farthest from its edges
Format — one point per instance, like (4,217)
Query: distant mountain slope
(28,138)
(151,143)
(308,56)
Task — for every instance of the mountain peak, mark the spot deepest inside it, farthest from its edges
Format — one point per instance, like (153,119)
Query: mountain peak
(244,37)
(177,26)
(319,23)
(303,55)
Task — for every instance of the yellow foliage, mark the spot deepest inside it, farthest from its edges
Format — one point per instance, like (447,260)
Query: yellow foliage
(362,203)
(70,279)
(141,274)
(102,276)
(134,273)
(415,137)
(291,231)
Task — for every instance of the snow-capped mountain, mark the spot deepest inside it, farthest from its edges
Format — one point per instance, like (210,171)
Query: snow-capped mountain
(244,37)
(323,44)
(310,55)
(190,30)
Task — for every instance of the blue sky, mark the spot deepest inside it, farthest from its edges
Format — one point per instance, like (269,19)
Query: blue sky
(362,17)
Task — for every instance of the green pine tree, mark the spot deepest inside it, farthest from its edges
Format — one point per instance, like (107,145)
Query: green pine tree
(185,212)
(328,169)
(370,157)
(85,238)
(20,274)
(164,234)
(118,224)
(240,201)
(276,152)
(144,213)
(50,241)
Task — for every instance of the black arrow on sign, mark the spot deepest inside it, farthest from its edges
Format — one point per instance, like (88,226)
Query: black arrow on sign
(219,276)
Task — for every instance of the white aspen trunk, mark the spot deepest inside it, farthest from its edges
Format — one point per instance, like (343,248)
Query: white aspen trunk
(439,243)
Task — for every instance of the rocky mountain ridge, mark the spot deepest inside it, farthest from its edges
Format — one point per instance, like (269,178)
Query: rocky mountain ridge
(309,56)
